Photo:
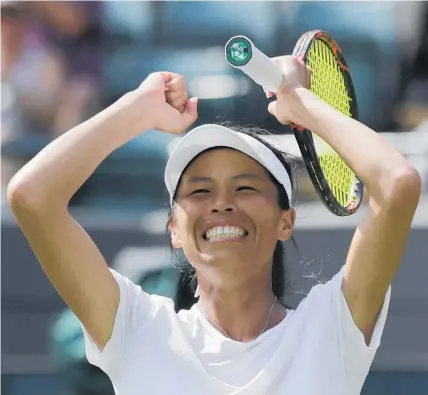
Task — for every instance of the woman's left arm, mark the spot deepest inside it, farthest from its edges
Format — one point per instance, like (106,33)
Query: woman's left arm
(394,186)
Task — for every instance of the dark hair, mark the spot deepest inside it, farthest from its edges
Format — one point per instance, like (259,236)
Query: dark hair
(279,263)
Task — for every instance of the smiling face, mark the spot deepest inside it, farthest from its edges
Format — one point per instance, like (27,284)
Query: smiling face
(227,214)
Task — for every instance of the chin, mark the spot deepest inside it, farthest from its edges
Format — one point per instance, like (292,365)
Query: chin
(226,257)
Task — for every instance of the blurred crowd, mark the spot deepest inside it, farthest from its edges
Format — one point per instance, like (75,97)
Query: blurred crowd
(63,61)
(50,67)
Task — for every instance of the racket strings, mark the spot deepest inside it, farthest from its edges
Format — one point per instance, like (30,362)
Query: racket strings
(328,83)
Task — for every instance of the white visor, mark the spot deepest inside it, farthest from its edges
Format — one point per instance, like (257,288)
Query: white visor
(210,136)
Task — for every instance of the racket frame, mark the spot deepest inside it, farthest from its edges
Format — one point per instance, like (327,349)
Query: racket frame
(304,136)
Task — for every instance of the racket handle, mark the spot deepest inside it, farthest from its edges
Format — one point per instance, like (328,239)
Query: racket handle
(242,54)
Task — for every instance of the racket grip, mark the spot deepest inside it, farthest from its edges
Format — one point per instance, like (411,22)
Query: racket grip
(242,54)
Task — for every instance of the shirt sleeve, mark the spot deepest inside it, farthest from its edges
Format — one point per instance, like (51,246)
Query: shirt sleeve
(136,309)
(357,355)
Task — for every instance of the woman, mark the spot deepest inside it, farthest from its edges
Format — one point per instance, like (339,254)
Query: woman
(230,197)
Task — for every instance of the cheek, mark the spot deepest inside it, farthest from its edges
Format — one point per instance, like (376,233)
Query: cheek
(185,224)
(185,230)
(264,207)
(265,214)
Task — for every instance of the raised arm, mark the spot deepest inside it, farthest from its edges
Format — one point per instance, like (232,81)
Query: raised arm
(392,182)
(40,192)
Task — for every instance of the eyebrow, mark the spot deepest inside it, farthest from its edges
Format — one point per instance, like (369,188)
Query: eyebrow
(237,177)
(243,176)
(193,180)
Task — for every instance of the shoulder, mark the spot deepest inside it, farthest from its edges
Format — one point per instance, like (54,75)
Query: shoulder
(134,295)
(327,325)
(138,313)
(321,294)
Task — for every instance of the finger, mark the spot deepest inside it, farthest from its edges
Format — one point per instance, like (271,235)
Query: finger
(167,76)
(308,77)
(176,93)
(181,109)
(280,60)
(176,96)
(176,82)
(179,103)
(297,127)
(188,117)
(300,60)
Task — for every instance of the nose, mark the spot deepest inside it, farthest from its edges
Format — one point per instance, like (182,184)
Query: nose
(222,208)
(222,203)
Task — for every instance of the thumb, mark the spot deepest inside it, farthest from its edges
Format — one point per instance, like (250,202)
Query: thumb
(192,107)
(176,122)
(190,114)
(272,108)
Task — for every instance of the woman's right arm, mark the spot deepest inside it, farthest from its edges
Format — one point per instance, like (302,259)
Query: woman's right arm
(40,192)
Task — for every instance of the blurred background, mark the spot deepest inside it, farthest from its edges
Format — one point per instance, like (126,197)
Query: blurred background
(61,62)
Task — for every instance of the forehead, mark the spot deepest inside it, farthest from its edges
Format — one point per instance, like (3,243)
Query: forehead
(224,161)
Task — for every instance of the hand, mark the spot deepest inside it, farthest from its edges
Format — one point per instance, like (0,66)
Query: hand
(167,104)
(296,75)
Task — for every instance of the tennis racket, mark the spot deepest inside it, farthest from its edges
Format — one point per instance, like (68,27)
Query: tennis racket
(339,188)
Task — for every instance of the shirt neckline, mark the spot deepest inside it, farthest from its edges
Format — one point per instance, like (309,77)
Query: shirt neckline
(260,379)
(218,334)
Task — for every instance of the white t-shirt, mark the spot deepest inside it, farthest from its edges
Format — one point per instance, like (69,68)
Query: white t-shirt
(316,350)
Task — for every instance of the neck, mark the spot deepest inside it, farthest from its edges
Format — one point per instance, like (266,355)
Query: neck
(242,312)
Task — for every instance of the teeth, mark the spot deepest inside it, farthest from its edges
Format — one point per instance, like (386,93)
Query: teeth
(220,232)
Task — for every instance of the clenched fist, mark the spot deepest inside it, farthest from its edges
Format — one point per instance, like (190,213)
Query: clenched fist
(164,100)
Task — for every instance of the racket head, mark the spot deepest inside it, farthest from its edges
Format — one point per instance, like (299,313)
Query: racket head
(339,188)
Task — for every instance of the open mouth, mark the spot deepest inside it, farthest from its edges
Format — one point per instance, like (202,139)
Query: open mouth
(224,233)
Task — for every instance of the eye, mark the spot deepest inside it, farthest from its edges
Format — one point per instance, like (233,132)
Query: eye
(246,188)
(199,191)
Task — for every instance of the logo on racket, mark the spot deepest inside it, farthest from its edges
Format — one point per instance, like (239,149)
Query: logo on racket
(238,51)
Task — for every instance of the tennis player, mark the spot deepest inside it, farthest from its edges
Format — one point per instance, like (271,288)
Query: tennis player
(231,197)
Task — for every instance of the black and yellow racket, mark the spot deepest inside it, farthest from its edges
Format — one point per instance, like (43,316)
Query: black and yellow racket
(338,187)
